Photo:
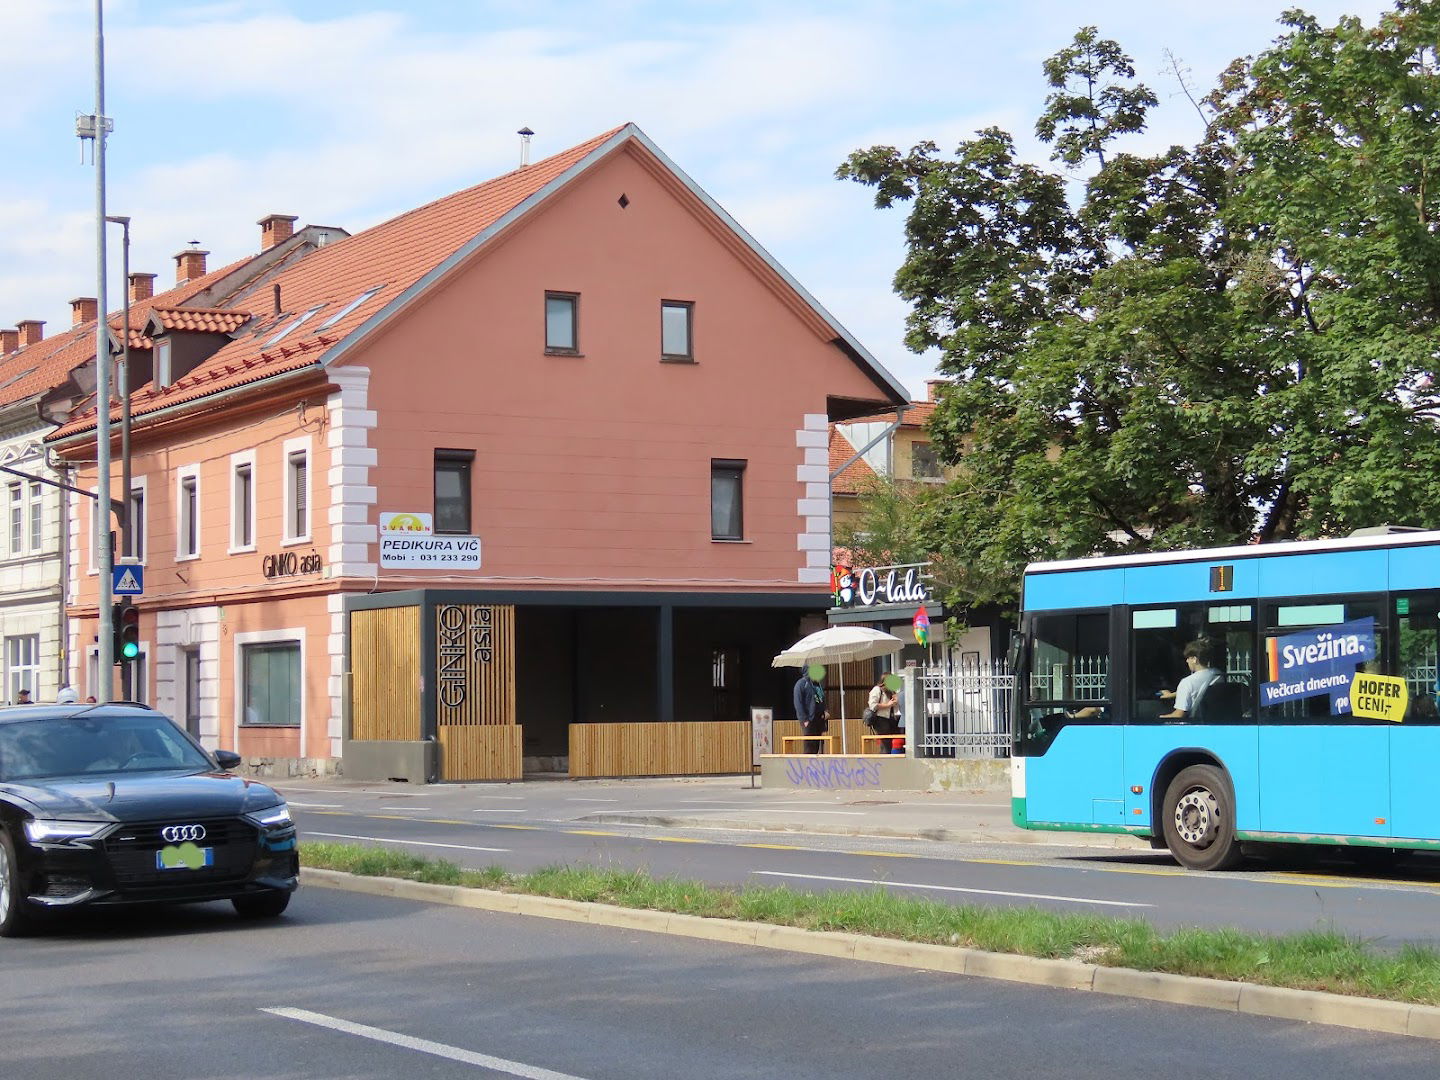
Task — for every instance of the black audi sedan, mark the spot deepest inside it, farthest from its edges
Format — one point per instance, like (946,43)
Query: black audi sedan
(115,804)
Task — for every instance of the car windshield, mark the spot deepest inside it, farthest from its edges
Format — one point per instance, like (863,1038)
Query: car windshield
(86,745)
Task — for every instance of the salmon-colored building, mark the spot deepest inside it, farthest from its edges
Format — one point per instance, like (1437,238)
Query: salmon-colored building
(496,481)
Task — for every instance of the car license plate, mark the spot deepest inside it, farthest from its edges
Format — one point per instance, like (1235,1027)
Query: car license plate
(184,857)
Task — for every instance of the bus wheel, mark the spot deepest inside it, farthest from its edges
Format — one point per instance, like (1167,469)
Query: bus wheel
(1199,820)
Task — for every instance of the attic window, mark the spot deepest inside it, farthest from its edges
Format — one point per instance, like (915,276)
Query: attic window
(348,308)
(292,327)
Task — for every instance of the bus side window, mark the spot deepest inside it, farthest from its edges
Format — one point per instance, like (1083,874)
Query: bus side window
(1417,648)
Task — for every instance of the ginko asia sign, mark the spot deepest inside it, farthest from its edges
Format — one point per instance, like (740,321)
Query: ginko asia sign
(408,542)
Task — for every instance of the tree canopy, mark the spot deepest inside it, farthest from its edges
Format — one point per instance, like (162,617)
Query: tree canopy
(1232,340)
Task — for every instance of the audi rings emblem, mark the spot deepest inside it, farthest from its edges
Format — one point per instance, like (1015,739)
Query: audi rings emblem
(175,834)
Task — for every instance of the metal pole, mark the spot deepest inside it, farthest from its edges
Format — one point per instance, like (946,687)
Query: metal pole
(122,390)
(104,557)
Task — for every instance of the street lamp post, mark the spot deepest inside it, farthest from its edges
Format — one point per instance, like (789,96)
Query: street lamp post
(104,555)
(122,390)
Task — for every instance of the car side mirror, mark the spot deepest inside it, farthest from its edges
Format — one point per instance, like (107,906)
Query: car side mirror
(227,759)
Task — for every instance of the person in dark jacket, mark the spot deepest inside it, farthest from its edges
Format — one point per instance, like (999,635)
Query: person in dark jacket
(810,709)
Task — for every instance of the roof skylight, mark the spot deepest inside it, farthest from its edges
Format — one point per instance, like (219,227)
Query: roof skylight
(348,308)
(292,327)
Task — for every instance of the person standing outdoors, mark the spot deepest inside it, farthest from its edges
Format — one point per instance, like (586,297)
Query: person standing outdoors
(810,705)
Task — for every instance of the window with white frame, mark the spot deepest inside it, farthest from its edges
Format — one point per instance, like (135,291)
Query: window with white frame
(297,492)
(163,365)
(37,516)
(187,514)
(22,665)
(17,519)
(137,519)
(242,503)
(271,685)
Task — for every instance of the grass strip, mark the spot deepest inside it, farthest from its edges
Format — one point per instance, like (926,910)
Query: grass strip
(1313,960)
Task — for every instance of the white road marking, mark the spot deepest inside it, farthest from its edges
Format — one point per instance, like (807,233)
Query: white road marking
(951,888)
(746,810)
(500,810)
(314,805)
(427,809)
(424,1046)
(508,798)
(570,799)
(392,840)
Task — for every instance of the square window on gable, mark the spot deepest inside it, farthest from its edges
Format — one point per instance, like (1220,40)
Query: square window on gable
(562,312)
(677,330)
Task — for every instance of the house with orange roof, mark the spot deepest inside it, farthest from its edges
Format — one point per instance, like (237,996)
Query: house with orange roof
(42,382)
(533,473)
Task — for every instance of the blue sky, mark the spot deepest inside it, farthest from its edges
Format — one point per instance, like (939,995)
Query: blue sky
(347,113)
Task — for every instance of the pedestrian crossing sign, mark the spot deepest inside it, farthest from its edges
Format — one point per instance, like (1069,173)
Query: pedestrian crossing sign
(129,580)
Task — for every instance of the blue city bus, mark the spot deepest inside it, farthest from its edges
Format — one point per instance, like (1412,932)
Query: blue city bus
(1309,715)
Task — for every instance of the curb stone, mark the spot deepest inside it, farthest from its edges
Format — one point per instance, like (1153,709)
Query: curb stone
(943,835)
(1313,1006)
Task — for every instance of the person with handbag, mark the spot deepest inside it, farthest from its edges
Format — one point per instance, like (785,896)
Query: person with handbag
(810,706)
(879,714)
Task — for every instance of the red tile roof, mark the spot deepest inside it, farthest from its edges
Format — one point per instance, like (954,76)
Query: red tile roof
(852,480)
(917,415)
(388,258)
(47,364)
(210,320)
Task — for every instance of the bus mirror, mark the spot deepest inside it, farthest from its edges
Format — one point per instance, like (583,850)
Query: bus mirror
(1015,654)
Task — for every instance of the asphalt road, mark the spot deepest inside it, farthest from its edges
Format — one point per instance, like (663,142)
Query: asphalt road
(1270,897)
(357,986)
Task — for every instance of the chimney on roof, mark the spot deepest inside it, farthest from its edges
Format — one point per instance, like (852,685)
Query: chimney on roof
(9,341)
(525,136)
(32,331)
(276,229)
(83,309)
(190,263)
(932,388)
(142,287)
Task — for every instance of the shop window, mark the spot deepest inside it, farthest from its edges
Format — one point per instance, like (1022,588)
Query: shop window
(272,686)
(22,665)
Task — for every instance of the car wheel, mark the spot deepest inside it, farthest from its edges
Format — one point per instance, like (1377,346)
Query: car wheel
(16,918)
(1199,820)
(266,905)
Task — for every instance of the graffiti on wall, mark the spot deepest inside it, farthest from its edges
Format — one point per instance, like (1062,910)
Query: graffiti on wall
(830,774)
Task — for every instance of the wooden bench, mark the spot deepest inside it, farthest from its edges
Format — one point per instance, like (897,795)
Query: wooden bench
(867,743)
(786,740)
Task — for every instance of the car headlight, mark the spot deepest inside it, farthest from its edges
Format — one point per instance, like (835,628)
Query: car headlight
(45,830)
(270,817)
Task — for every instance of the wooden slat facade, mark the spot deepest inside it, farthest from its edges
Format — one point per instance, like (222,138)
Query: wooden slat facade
(481,752)
(385,674)
(475,665)
(682,749)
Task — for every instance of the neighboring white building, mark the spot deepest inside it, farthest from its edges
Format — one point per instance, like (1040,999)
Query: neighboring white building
(40,382)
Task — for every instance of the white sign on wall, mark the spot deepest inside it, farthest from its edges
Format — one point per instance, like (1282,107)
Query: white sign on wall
(408,542)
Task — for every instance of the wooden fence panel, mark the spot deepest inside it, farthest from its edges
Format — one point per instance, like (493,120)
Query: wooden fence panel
(481,752)
(385,674)
(649,749)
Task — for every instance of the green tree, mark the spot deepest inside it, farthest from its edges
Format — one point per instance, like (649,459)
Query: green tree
(1230,340)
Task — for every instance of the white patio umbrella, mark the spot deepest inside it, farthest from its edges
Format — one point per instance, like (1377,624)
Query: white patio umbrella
(839,645)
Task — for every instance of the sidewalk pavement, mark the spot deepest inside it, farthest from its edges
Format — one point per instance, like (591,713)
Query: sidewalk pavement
(981,815)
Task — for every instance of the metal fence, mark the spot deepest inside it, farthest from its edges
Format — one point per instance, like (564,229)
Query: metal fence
(966,710)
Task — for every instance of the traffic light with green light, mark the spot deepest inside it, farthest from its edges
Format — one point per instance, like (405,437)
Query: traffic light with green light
(127,630)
